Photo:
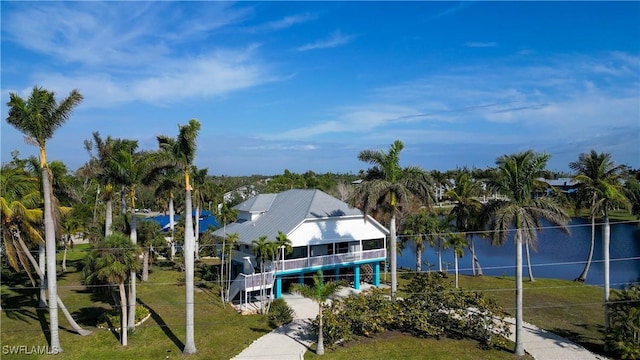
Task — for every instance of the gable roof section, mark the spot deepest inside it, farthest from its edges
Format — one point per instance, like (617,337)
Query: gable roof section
(285,211)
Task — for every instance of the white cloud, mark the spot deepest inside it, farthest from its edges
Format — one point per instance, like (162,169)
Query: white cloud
(335,39)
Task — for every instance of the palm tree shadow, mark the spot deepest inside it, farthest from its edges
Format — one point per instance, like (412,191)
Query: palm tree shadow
(165,328)
(41,312)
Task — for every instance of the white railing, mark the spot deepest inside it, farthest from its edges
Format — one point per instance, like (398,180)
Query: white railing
(315,261)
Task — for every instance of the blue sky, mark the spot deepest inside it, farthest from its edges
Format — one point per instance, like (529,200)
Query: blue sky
(307,85)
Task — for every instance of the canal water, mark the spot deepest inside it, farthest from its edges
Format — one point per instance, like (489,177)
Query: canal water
(558,255)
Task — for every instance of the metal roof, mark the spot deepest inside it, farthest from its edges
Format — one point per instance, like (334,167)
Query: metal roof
(284,212)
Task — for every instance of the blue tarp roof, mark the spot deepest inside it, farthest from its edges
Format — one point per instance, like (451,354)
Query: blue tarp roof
(206,219)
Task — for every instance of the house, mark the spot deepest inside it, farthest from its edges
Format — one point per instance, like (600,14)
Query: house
(325,233)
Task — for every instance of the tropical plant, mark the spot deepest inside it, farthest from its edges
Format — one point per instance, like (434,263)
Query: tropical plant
(168,183)
(415,231)
(623,337)
(262,250)
(320,292)
(438,228)
(590,171)
(388,187)
(467,211)
(181,152)
(150,237)
(38,117)
(113,261)
(456,241)
(517,174)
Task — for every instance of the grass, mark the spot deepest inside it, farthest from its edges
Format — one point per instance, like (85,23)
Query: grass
(570,309)
(395,345)
(221,332)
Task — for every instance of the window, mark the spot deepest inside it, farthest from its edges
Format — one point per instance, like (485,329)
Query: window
(372,244)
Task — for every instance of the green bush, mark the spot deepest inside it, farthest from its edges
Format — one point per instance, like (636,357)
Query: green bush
(111,318)
(280,313)
(431,309)
(623,336)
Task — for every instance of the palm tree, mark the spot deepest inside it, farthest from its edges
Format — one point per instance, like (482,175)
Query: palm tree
(262,250)
(467,212)
(150,236)
(113,261)
(320,293)
(38,118)
(199,188)
(415,230)
(388,187)
(517,174)
(457,242)
(181,151)
(590,170)
(231,240)
(438,227)
(601,189)
(167,185)
(226,215)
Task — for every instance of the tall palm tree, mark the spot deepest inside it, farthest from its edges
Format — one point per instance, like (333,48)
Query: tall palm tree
(38,118)
(517,174)
(320,292)
(132,169)
(232,239)
(467,212)
(591,170)
(182,151)
(388,187)
(113,260)
(600,189)
(415,230)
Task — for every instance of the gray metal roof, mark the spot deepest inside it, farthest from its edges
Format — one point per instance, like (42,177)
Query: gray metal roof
(284,212)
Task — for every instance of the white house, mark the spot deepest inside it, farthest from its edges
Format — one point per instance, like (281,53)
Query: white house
(325,233)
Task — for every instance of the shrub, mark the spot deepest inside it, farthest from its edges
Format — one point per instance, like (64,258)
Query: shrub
(623,336)
(280,313)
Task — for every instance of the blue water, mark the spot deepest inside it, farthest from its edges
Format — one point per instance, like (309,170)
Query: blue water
(558,255)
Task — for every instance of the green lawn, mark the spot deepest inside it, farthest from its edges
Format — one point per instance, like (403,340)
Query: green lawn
(221,332)
(570,309)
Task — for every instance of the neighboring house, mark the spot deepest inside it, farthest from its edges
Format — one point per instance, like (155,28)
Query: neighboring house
(565,185)
(326,234)
(206,219)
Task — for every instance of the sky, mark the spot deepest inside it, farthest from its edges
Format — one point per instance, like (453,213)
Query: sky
(308,85)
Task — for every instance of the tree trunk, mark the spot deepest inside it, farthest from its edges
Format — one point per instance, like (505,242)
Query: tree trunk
(123,315)
(585,271)
(132,276)
(473,256)
(222,257)
(43,281)
(40,273)
(196,233)
(320,347)
(108,219)
(531,279)
(455,265)
(172,227)
(50,243)
(145,264)
(439,248)
(606,237)
(190,346)
(519,347)
(393,256)
(418,259)
(64,255)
